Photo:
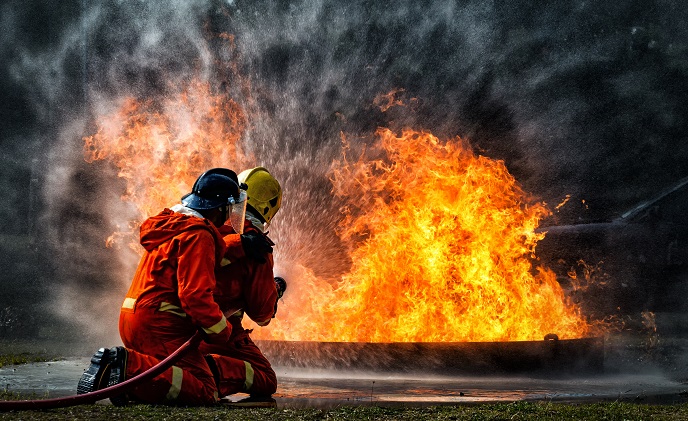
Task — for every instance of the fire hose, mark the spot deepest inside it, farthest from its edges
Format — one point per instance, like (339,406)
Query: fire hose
(118,389)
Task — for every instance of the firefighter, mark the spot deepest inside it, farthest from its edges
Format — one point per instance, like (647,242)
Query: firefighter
(246,281)
(171,297)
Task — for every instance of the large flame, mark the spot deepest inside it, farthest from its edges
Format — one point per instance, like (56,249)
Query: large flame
(441,243)
(440,239)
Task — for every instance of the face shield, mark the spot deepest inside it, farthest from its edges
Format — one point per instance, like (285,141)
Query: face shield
(237,212)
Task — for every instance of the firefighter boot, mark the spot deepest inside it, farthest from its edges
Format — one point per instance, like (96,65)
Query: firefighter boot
(118,369)
(95,377)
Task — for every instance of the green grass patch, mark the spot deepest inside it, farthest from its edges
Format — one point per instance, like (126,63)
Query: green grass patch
(23,358)
(6,395)
(539,411)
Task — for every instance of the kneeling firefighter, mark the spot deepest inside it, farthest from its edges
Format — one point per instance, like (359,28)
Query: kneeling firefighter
(171,298)
(246,281)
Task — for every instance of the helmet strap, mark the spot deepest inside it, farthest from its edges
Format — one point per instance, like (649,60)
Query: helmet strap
(255,221)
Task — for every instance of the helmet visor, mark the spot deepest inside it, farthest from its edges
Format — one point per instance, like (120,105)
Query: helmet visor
(237,213)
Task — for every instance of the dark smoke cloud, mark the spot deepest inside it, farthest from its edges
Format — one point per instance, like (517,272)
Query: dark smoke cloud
(578,98)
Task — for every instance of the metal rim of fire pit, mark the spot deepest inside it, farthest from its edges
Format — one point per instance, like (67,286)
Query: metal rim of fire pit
(550,356)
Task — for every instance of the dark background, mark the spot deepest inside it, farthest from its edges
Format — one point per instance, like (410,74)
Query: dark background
(578,98)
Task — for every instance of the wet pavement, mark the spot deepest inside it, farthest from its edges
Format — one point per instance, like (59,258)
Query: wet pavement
(326,388)
(318,389)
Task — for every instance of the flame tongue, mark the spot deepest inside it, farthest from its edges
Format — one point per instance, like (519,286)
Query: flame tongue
(441,241)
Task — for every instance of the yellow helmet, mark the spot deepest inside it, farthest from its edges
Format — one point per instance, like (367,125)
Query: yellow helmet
(264,192)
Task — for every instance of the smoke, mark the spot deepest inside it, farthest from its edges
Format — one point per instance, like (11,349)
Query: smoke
(66,66)
(578,98)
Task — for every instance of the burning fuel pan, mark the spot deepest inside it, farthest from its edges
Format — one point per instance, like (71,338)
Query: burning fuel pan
(552,355)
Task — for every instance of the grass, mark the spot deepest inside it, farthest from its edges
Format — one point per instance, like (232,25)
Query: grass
(539,411)
(16,352)
(23,358)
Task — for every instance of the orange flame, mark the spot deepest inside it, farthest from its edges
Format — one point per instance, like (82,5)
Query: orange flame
(160,148)
(563,202)
(388,100)
(441,241)
(439,238)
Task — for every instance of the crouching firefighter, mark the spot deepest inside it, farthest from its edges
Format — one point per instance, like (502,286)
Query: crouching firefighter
(171,298)
(245,281)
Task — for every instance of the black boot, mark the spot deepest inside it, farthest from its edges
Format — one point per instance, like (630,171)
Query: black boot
(118,369)
(97,374)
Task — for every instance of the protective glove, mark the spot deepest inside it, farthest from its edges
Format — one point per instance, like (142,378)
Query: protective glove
(281,286)
(256,246)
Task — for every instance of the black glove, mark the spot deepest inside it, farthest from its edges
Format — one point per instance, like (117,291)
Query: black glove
(256,246)
(281,285)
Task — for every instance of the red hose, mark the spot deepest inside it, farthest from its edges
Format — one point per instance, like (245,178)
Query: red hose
(114,390)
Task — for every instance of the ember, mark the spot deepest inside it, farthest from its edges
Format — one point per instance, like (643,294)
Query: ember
(439,238)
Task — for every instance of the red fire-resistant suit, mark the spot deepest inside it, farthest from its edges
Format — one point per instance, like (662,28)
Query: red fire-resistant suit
(249,285)
(170,298)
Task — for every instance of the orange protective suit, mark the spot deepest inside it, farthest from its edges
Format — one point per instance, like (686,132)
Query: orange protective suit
(249,285)
(170,298)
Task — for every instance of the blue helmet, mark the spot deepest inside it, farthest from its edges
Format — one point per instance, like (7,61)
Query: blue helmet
(214,188)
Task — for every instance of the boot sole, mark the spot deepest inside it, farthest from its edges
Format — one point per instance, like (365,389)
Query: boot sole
(92,379)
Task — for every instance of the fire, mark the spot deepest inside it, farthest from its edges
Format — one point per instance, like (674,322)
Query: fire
(440,239)
(160,147)
(388,100)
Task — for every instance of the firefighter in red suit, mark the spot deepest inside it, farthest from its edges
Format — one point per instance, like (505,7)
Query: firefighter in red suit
(171,297)
(247,287)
